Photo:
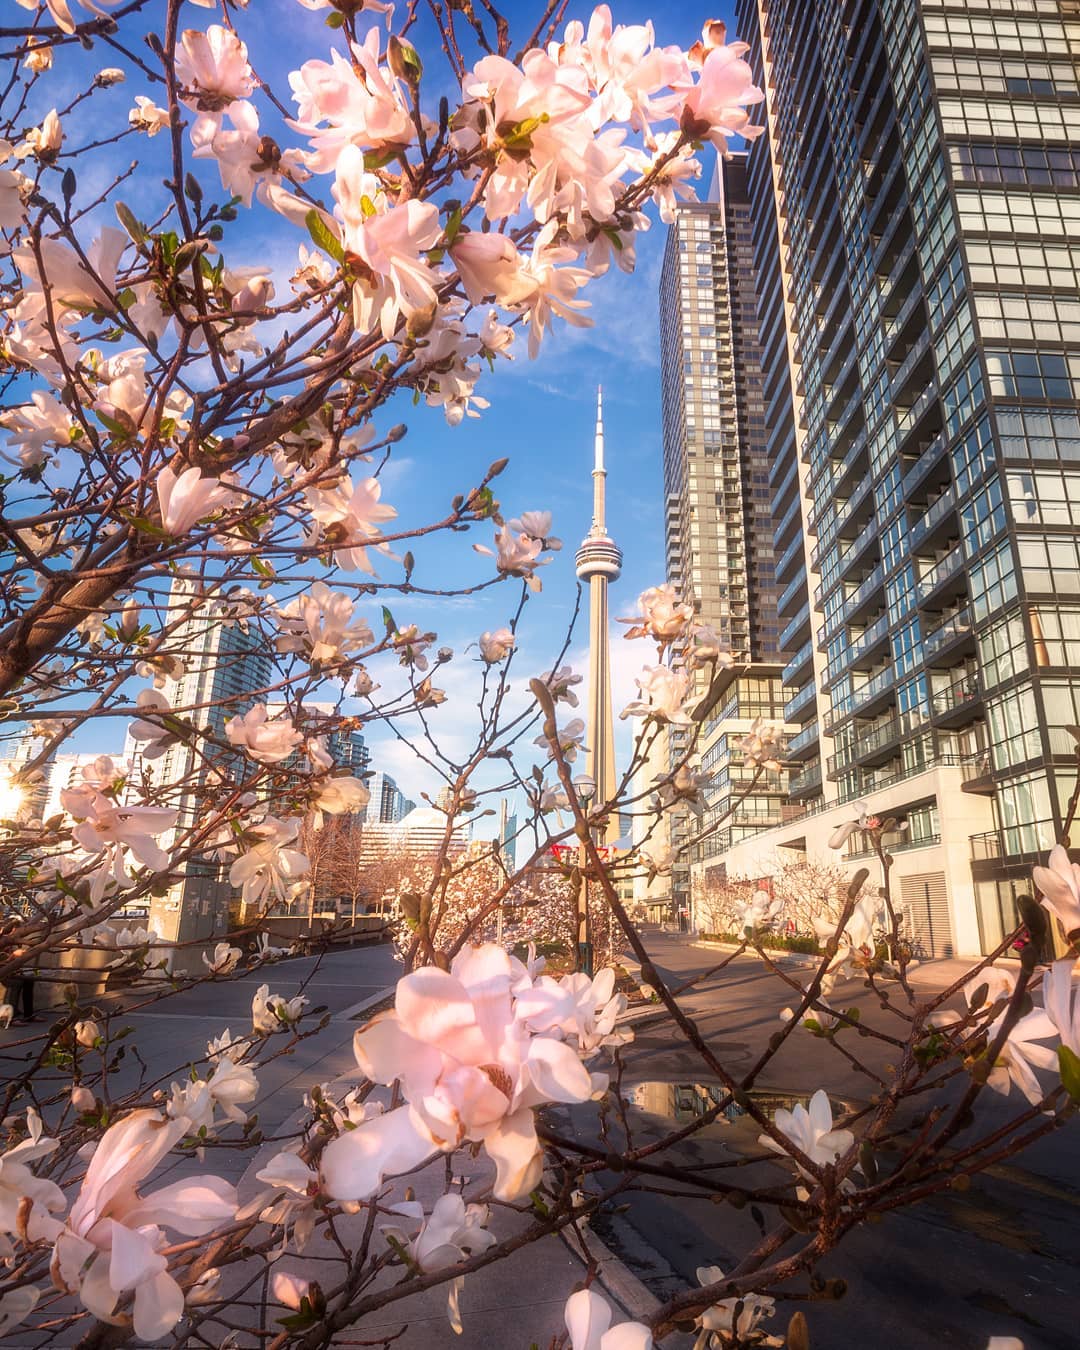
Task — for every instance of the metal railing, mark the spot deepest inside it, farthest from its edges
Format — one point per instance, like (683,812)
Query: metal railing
(941,571)
(797,702)
(809,734)
(804,654)
(932,517)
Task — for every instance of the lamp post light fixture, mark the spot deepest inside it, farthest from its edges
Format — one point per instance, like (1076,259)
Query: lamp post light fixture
(585,788)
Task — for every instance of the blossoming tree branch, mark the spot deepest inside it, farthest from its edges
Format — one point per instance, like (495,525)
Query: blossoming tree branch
(193,453)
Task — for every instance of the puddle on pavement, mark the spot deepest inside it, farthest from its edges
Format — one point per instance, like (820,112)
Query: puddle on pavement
(683,1102)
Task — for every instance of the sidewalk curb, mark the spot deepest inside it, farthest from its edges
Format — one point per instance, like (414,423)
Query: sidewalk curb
(635,1298)
(780,957)
(354,1010)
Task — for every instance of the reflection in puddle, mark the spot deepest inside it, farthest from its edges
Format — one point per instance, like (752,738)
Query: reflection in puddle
(683,1102)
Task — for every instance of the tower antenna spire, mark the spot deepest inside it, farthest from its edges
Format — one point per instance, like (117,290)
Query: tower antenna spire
(599,473)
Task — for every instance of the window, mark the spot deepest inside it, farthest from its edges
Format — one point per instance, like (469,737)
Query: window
(1032,374)
(1014,728)
(1005,264)
(993,582)
(1039,433)
(1029,318)
(1044,497)
(1050,563)
(1031,165)
(1037,213)
(1002,650)
(982,517)
(973,116)
(1055,634)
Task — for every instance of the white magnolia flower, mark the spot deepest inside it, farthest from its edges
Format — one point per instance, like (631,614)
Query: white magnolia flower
(268,867)
(588,1320)
(452,1232)
(154,737)
(516,555)
(350,515)
(753,1308)
(272,1012)
(862,820)
(560,683)
(87,1033)
(21,1189)
(660,616)
(578,1007)
(337,797)
(1059,883)
(187,498)
(571,739)
(664,692)
(811,1131)
(1061,1000)
(224,960)
(762,745)
(288,1289)
(321,625)
(147,116)
(1022,1054)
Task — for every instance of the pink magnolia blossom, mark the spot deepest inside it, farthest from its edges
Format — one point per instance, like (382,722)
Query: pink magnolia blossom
(111,1244)
(470,1072)
(288,1289)
(213,68)
(560,683)
(762,745)
(496,646)
(106,826)
(1061,1001)
(321,624)
(664,692)
(570,739)
(267,740)
(350,514)
(19,1185)
(715,107)
(147,116)
(362,105)
(811,1131)
(187,498)
(661,615)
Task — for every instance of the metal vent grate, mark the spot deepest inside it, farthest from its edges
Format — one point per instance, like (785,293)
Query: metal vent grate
(925,905)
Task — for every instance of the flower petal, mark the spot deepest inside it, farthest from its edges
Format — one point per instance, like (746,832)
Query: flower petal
(354,1164)
(587,1318)
(519,1162)
(159,1305)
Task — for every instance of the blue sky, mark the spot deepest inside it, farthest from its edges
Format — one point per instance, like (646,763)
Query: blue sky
(541,412)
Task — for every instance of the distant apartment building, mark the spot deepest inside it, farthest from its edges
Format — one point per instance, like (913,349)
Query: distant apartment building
(916,239)
(388,804)
(718,521)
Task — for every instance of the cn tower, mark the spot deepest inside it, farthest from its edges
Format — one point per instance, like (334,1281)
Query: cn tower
(599,561)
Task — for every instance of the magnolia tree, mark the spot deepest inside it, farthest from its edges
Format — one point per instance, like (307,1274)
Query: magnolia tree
(193,513)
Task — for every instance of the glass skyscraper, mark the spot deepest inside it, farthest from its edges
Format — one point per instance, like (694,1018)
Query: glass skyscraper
(916,209)
(717,499)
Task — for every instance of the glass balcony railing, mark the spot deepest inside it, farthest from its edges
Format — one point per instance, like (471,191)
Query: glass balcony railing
(932,517)
(804,654)
(954,628)
(1025,840)
(809,778)
(958,694)
(809,735)
(791,628)
(923,465)
(944,568)
(796,704)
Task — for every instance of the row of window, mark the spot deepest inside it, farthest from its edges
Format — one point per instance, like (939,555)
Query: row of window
(973,117)
(1039,433)
(1029,318)
(1037,213)
(1035,165)
(1044,497)
(1032,36)
(1005,264)
(994,76)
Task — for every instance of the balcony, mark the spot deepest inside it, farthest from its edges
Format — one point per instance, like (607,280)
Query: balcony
(855,456)
(959,703)
(957,628)
(806,782)
(856,550)
(803,741)
(879,743)
(798,662)
(795,587)
(1021,844)
(850,510)
(917,418)
(932,517)
(862,597)
(868,642)
(916,363)
(935,581)
(799,702)
(882,248)
(900,845)
(794,627)
(873,690)
(978,774)
(922,466)
(794,547)
(912,306)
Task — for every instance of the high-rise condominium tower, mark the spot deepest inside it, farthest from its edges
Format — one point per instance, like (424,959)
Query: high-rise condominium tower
(917,244)
(716,484)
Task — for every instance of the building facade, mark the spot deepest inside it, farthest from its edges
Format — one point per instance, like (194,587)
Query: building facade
(917,245)
(718,514)
(388,804)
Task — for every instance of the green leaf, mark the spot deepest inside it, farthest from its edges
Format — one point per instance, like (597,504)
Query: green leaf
(323,236)
(388,620)
(1069,1063)
(367,205)
(264,569)
(335,20)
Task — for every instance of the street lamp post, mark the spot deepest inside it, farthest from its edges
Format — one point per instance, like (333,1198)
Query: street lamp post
(586,789)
